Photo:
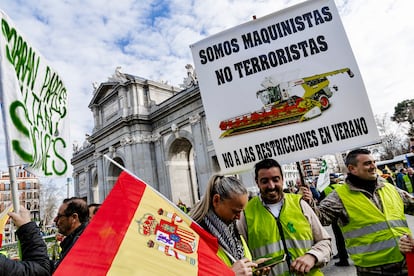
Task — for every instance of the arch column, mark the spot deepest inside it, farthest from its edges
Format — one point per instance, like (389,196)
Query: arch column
(93,196)
(96,117)
(101,173)
(83,190)
(161,171)
(75,177)
(201,161)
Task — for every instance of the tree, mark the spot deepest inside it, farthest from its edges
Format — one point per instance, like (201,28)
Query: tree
(393,142)
(404,112)
(50,199)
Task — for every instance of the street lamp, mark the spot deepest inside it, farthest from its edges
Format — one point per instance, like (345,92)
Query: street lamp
(68,181)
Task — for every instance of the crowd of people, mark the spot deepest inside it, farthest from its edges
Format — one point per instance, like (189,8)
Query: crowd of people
(367,214)
(279,231)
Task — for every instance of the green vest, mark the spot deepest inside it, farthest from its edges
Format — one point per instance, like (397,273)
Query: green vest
(372,236)
(330,188)
(264,239)
(408,183)
(223,256)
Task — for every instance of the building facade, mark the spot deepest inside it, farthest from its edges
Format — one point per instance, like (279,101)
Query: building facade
(28,194)
(311,167)
(154,130)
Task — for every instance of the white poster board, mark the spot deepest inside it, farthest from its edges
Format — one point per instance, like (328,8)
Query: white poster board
(284,86)
(34,106)
(323,177)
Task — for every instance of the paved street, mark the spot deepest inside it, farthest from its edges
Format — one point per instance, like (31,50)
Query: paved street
(331,269)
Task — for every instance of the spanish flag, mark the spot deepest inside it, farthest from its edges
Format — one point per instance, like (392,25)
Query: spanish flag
(137,231)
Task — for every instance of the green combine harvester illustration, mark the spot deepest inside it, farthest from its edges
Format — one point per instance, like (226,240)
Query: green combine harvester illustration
(281,107)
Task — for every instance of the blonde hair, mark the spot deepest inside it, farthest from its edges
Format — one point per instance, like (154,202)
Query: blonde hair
(225,186)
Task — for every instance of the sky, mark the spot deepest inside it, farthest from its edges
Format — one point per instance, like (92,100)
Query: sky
(84,41)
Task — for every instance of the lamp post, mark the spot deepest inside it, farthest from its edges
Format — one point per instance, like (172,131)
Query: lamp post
(411,121)
(68,181)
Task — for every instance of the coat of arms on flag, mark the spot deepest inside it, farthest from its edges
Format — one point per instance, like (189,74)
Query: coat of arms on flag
(168,236)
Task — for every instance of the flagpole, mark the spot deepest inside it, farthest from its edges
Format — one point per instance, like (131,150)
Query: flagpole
(10,161)
(14,189)
(149,186)
(12,169)
(122,167)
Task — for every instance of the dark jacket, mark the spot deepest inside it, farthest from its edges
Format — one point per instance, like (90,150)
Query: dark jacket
(68,242)
(35,261)
(400,181)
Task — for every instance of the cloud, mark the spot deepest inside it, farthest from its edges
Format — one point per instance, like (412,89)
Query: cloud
(86,40)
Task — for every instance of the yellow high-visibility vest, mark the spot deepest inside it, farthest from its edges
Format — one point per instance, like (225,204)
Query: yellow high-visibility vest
(372,236)
(264,239)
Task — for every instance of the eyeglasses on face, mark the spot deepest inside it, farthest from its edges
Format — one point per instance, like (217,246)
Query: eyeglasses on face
(61,215)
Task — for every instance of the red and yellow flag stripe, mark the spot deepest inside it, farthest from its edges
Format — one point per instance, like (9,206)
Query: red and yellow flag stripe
(139,232)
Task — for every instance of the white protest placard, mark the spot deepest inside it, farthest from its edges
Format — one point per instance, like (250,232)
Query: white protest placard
(284,86)
(34,106)
(323,177)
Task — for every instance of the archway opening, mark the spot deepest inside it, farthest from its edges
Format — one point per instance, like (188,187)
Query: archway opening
(95,190)
(113,173)
(182,172)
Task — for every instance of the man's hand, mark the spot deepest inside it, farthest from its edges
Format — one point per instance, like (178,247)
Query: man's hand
(303,264)
(20,218)
(307,194)
(243,267)
(406,243)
